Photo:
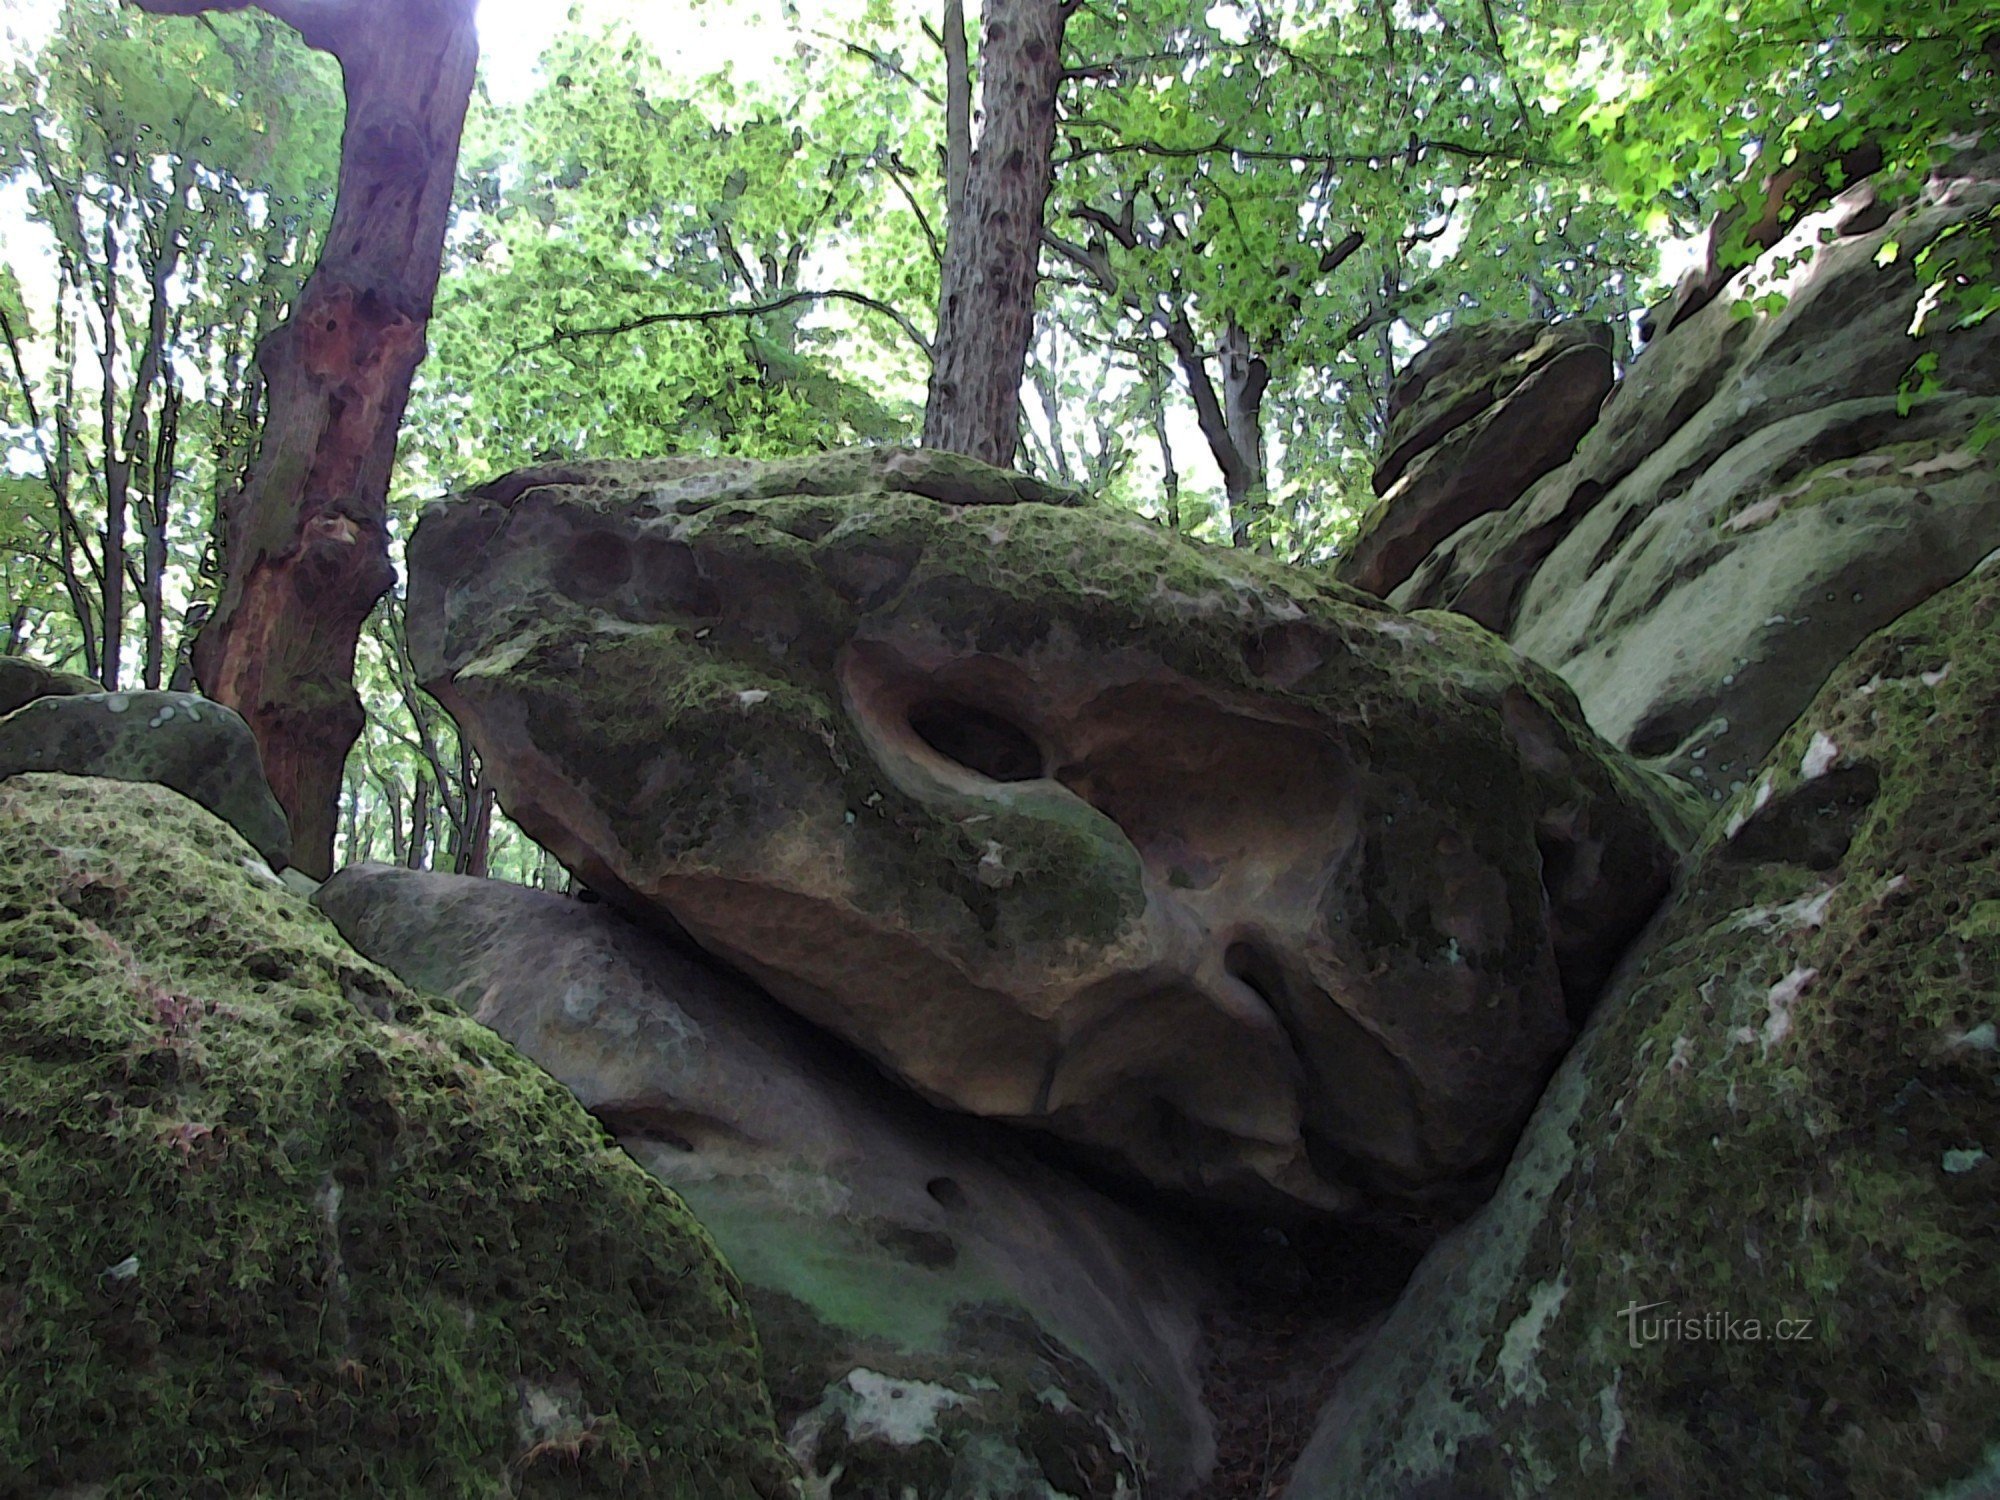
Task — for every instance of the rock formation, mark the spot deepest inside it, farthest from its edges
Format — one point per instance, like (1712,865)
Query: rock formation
(272,1223)
(1784,1115)
(1760,493)
(1258,889)
(937,1310)
(1477,417)
(180,740)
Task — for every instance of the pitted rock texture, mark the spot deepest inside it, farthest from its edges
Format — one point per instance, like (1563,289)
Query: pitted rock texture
(1785,1114)
(1263,891)
(180,740)
(938,1312)
(1478,416)
(1760,493)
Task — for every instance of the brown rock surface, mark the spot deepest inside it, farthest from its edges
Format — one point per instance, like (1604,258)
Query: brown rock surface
(1477,417)
(1258,889)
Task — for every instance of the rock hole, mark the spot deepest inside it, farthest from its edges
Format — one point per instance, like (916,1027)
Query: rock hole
(1812,826)
(945,1192)
(978,740)
(1251,967)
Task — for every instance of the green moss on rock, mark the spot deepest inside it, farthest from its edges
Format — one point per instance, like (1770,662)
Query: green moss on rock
(1788,1111)
(271,1224)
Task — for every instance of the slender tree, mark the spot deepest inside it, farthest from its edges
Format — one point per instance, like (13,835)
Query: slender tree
(305,540)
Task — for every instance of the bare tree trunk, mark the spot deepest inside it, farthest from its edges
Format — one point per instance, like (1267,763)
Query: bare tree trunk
(117,477)
(153,514)
(474,855)
(1245,376)
(986,305)
(1156,407)
(420,824)
(1232,420)
(306,540)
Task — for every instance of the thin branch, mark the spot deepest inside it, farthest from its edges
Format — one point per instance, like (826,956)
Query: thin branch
(881,60)
(1221,147)
(720,314)
(896,168)
(957,116)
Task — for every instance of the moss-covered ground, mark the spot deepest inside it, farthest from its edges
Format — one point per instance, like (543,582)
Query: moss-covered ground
(271,1224)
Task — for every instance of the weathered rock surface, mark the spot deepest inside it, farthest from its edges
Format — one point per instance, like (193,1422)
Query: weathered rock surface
(1258,888)
(1477,417)
(1752,503)
(180,740)
(271,1223)
(23,681)
(1787,1111)
(939,1315)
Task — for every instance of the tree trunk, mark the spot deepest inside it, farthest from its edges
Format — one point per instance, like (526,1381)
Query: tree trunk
(986,305)
(1232,421)
(420,825)
(306,550)
(1245,375)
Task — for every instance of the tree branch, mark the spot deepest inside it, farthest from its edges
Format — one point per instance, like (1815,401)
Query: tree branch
(896,167)
(321,23)
(1221,147)
(1207,406)
(881,60)
(720,314)
(957,116)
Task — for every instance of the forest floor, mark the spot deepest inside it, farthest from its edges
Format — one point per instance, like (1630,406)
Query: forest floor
(1280,1343)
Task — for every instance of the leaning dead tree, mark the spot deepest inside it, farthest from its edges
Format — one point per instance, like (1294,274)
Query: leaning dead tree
(306,542)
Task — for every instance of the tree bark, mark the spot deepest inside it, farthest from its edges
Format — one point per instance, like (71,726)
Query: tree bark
(986,305)
(1232,420)
(306,543)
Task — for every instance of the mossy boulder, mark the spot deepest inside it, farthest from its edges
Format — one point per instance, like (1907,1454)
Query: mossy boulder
(271,1223)
(1748,1246)
(200,748)
(23,681)
(1263,891)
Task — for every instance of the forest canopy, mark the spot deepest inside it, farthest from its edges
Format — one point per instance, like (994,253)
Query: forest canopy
(1250,216)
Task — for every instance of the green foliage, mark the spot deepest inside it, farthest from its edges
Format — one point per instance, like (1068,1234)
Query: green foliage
(616,238)
(180,174)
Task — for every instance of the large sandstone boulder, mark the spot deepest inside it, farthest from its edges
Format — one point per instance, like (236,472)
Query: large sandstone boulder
(1747,1246)
(937,1310)
(1478,416)
(180,740)
(1759,494)
(1261,890)
(270,1223)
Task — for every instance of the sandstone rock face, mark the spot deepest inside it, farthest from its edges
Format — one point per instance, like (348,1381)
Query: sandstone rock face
(938,1314)
(1260,890)
(1477,417)
(1757,497)
(1786,1110)
(180,740)
(272,1223)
